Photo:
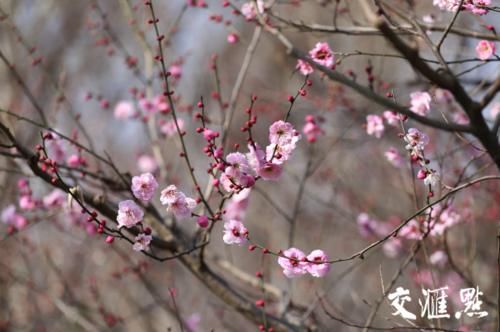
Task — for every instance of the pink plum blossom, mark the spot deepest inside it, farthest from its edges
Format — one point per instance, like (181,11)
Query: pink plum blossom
(234,232)
(10,217)
(175,70)
(147,106)
(366,225)
(304,67)
(431,178)
(476,7)
(177,202)
(169,129)
(485,49)
(394,157)
(256,157)
(237,174)
(420,102)
(438,258)
(55,198)
(203,221)
(129,214)
(249,10)
(374,125)
(146,164)
(392,247)
(144,186)
(293,263)
(323,55)
(416,141)
(270,171)
(76,160)
(311,129)
(283,138)
(313,267)
(393,118)
(124,110)
(449,5)
(26,202)
(233,38)
(443,96)
(160,104)
(141,242)
(237,205)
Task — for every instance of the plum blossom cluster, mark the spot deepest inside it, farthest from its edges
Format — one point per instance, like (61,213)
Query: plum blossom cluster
(240,171)
(295,263)
(144,187)
(321,54)
(476,7)
(416,142)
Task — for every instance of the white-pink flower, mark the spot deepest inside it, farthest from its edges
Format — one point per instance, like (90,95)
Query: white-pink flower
(124,110)
(234,232)
(141,242)
(283,138)
(322,54)
(318,265)
(293,263)
(415,139)
(431,178)
(420,102)
(144,186)
(177,202)
(374,125)
(129,214)
(485,49)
